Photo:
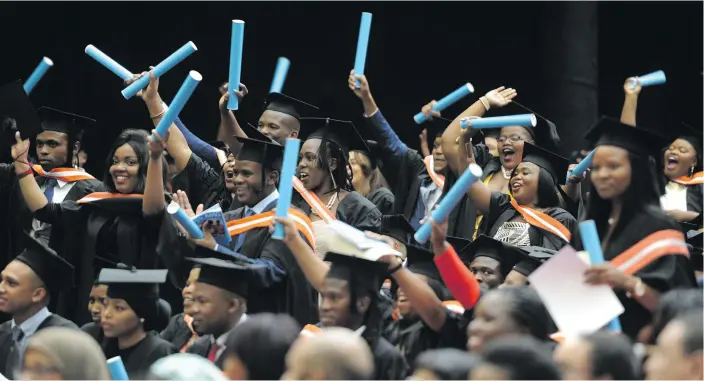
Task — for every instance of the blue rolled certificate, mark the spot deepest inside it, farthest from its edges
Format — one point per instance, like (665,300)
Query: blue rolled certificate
(117,369)
(108,62)
(524,120)
(277,84)
(189,85)
(362,44)
(179,215)
(447,101)
(451,199)
(160,69)
(582,166)
(652,79)
(236,45)
(37,74)
(288,170)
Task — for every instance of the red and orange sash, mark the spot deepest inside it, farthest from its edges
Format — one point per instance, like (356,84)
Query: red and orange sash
(437,178)
(643,253)
(451,305)
(262,220)
(542,221)
(194,336)
(100,196)
(67,175)
(698,178)
(313,201)
(310,330)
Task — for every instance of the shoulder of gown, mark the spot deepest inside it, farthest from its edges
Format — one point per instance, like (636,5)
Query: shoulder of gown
(357,211)
(389,361)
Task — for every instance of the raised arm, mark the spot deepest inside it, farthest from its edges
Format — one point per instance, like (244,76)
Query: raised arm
(229,127)
(630,104)
(314,268)
(153,201)
(457,277)
(32,194)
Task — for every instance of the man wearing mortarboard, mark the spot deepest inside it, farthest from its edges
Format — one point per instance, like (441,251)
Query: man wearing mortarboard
(28,283)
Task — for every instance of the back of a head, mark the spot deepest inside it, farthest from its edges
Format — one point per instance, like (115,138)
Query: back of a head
(612,356)
(529,311)
(261,344)
(447,363)
(674,303)
(76,354)
(521,358)
(693,339)
(340,353)
(185,366)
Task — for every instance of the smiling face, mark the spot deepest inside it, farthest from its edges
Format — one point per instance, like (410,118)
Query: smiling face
(404,305)
(492,319)
(119,319)
(679,158)
(125,169)
(278,126)
(248,182)
(309,172)
(524,183)
(438,156)
(611,172)
(510,145)
(229,173)
(187,292)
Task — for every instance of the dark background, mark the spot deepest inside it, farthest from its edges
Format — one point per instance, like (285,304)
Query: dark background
(568,60)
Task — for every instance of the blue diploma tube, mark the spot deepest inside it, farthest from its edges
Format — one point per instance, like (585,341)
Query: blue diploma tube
(37,74)
(189,85)
(160,69)
(360,58)
(582,166)
(652,79)
(288,170)
(592,244)
(446,102)
(117,369)
(193,230)
(277,84)
(470,175)
(236,45)
(108,62)
(524,120)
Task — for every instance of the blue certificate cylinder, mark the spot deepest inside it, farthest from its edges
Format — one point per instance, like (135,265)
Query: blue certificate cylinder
(277,84)
(288,170)
(189,85)
(37,74)
(524,120)
(580,168)
(360,58)
(470,175)
(652,79)
(117,369)
(160,69)
(108,62)
(592,244)
(447,101)
(179,215)
(236,45)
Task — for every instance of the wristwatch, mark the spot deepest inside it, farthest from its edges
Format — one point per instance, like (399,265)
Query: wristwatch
(638,289)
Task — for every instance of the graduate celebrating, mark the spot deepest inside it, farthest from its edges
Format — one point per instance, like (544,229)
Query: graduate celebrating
(180,331)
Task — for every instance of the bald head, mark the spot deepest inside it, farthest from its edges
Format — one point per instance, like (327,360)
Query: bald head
(334,354)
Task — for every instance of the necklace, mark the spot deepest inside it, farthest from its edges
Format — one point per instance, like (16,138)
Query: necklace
(506,172)
(329,205)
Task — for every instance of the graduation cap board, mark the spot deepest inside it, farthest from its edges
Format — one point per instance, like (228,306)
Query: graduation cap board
(259,151)
(54,271)
(288,105)
(253,132)
(421,261)
(372,152)
(533,257)
(397,227)
(544,133)
(342,133)
(65,122)
(233,276)
(132,284)
(360,272)
(639,141)
(17,111)
(555,164)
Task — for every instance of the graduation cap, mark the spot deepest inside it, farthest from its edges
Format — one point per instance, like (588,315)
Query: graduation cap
(361,273)
(259,151)
(373,152)
(55,272)
(639,141)
(342,133)
(555,164)
(460,245)
(693,136)
(253,132)
(435,127)
(533,257)
(288,105)
(61,121)
(397,227)
(420,261)
(485,246)
(132,284)
(233,276)
(544,133)
(17,111)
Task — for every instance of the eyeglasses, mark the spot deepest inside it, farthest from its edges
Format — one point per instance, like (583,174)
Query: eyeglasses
(513,139)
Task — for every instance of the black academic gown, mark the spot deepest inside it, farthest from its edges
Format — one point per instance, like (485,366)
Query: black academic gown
(140,357)
(383,199)
(94,330)
(177,332)
(664,274)
(116,231)
(354,210)
(294,295)
(7,347)
(202,347)
(501,211)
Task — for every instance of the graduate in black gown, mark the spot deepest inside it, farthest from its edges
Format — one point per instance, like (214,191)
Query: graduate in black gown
(624,204)
(180,331)
(28,283)
(131,317)
(367,179)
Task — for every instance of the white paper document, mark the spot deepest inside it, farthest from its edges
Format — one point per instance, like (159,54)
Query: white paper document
(576,307)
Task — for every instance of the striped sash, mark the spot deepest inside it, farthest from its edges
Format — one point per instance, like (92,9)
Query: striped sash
(100,196)
(542,221)
(313,201)
(67,175)
(437,178)
(263,220)
(451,305)
(194,336)
(698,178)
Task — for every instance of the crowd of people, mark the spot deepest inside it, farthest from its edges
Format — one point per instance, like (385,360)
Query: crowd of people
(97,268)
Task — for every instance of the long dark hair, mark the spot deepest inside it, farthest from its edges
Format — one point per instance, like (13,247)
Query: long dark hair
(643,191)
(137,139)
(376,179)
(330,150)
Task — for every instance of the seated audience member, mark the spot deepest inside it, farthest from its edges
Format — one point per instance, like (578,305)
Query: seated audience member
(678,354)
(599,356)
(516,359)
(444,364)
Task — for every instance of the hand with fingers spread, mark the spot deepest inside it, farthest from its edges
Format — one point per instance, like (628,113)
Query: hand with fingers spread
(181,198)
(437,237)
(364,92)
(428,111)
(20,152)
(499,97)
(158,145)
(241,93)
(632,92)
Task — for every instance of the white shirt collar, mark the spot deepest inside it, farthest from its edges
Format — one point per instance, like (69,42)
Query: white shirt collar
(220,341)
(61,183)
(264,203)
(30,325)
